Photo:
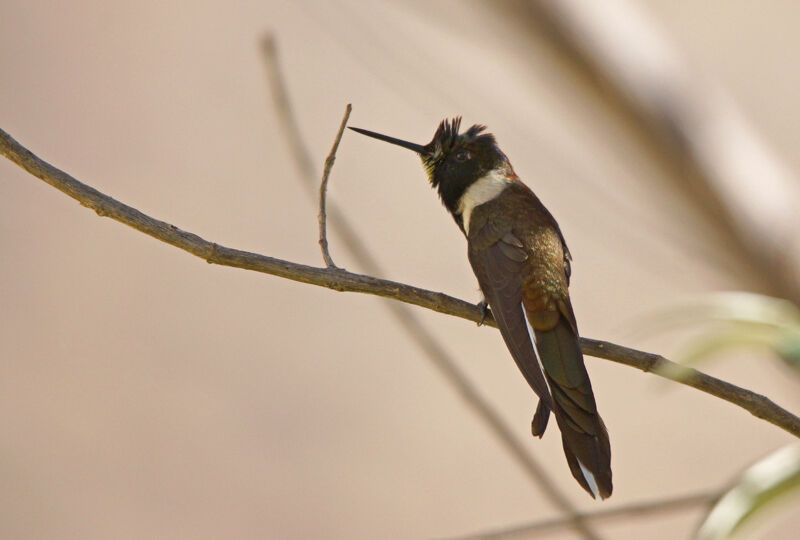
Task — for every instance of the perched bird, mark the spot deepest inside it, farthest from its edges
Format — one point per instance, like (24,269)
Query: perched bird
(522,263)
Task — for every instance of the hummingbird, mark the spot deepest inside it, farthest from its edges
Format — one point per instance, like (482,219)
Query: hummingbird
(518,253)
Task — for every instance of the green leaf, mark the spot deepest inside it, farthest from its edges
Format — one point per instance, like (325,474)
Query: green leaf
(733,338)
(735,320)
(789,351)
(773,479)
(736,307)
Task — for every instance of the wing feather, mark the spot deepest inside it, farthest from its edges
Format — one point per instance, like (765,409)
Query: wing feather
(498,268)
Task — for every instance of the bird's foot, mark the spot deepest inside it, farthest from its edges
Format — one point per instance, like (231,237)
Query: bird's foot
(483,306)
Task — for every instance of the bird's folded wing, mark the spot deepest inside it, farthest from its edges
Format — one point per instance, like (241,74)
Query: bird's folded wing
(499,269)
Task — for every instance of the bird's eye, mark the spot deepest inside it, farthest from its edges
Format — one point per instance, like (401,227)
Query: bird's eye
(463,156)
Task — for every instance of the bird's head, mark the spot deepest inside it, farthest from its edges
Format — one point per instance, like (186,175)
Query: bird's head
(453,160)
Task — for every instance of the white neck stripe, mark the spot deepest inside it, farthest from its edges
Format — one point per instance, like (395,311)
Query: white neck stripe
(483,190)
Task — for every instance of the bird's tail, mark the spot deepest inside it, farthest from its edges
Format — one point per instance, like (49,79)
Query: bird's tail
(583,433)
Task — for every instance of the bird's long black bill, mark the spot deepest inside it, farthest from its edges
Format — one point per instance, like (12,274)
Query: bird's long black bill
(419,149)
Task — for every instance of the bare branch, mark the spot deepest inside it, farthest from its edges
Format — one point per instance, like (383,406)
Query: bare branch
(758,405)
(660,506)
(323,191)
(434,350)
(342,280)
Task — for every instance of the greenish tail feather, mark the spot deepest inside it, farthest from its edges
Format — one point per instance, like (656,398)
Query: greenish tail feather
(540,418)
(583,433)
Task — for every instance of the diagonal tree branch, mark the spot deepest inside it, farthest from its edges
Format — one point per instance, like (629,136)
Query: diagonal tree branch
(342,280)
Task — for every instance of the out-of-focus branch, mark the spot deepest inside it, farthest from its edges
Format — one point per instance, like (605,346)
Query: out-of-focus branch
(434,350)
(661,506)
(696,120)
(342,280)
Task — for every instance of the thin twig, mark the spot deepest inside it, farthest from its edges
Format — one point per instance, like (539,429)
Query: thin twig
(434,350)
(661,506)
(342,280)
(323,191)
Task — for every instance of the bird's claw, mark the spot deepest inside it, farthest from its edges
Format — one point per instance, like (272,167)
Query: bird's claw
(483,306)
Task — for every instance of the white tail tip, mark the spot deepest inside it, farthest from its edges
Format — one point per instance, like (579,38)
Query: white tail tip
(587,474)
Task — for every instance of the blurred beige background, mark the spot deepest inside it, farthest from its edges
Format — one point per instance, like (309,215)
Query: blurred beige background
(146,394)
